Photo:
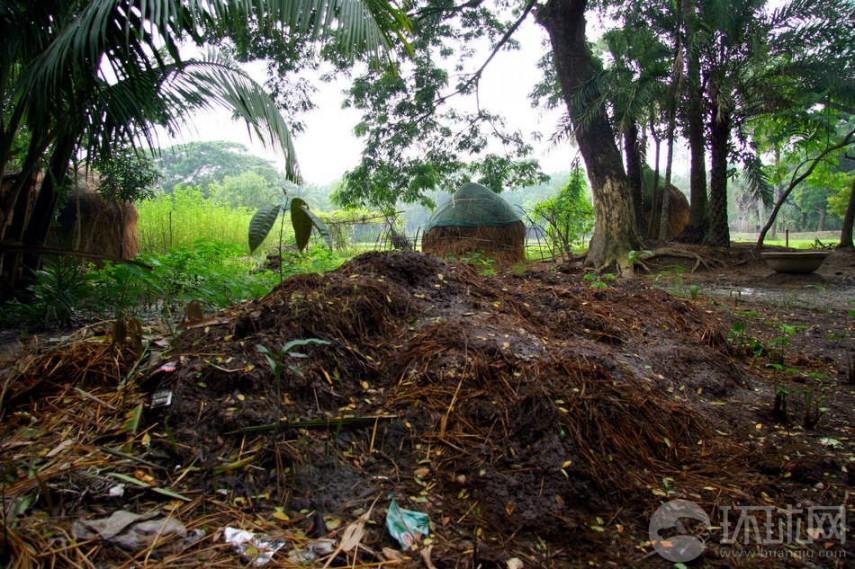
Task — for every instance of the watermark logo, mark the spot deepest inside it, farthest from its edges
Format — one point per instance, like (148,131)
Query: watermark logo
(670,537)
(763,528)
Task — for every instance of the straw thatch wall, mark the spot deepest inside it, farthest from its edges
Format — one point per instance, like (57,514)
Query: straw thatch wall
(89,224)
(678,212)
(504,244)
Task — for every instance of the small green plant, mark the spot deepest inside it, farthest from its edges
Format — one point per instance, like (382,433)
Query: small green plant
(60,292)
(742,343)
(483,264)
(638,257)
(778,344)
(851,310)
(596,280)
(279,360)
(694,291)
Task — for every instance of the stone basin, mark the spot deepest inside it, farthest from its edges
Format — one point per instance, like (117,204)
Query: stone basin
(794,261)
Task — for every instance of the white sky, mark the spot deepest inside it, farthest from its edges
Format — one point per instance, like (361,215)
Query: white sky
(328,147)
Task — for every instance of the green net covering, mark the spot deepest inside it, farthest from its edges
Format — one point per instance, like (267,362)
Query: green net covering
(473,205)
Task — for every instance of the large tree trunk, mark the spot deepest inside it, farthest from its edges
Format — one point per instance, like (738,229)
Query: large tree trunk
(696,229)
(848,220)
(718,234)
(43,210)
(635,173)
(614,231)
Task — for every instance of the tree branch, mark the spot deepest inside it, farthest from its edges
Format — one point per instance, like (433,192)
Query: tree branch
(797,179)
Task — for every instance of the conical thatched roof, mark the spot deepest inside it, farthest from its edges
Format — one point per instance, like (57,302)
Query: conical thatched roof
(473,205)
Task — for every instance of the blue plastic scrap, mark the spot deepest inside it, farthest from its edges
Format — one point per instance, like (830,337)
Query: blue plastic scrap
(406,526)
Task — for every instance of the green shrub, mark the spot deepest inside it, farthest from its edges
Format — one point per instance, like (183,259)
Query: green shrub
(567,217)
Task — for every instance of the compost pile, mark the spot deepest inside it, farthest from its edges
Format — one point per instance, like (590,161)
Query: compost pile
(521,413)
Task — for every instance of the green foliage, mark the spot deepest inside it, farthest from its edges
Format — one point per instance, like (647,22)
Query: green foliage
(743,344)
(247,189)
(210,272)
(838,202)
(55,298)
(414,142)
(181,219)
(126,176)
(567,217)
(214,274)
(303,221)
(261,224)
(483,264)
(597,280)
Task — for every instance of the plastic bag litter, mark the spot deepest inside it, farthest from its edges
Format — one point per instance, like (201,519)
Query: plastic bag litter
(130,531)
(259,549)
(406,526)
(312,551)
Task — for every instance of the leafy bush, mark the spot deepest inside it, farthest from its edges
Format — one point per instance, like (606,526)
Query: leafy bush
(57,296)
(210,272)
(567,217)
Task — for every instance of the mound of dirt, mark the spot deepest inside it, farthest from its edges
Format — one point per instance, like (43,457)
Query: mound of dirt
(510,409)
(524,396)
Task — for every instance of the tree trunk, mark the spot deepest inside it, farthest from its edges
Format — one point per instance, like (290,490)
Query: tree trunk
(635,173)
(696,229)
(615,232)
(43,210)
(666,195)
(848,219)
(654,191)
(718,234)
(820,224)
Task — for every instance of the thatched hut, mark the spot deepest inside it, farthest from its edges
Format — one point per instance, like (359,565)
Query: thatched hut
(476,220)
(90,224)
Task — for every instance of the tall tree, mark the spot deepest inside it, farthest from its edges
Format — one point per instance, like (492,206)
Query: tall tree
(202,163)
(615,233)
(694,125)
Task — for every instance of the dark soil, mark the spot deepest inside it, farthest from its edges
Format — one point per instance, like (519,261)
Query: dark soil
(530,416)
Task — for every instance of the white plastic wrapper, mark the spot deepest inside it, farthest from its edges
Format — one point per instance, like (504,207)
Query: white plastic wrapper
(259,549)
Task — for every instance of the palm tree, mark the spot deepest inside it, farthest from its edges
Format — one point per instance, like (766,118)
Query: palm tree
(634,86)
(79,79)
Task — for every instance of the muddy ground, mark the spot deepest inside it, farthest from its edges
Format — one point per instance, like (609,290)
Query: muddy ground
(535,418)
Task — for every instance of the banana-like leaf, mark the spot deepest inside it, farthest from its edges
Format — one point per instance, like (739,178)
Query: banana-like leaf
(261,224)
(303,220)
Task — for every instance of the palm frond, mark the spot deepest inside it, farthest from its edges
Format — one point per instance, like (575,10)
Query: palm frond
(757,180)
(128,110)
